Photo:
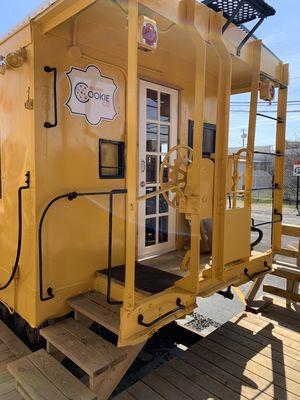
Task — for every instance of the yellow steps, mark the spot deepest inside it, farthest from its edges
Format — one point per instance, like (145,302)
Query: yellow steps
(90,352)
(93,305)
(40,376)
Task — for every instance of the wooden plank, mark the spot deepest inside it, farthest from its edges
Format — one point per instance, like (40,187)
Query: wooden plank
(140,391)
(256,357)
(7,383)
(15,345)
(33,381)
(239,384)
(278,380)
(262,321)
(96,312)
(203,380)
(291,230)
(241,372)
(257,334)
(287,273)
(282,293)
(267,330)
(71,387)
(180,381)
(279,307)
(109,353)
(13,395)
(281,320)
(288,253)
(124,396)
(100,299)
(163,387)
(267,351)
(89,351)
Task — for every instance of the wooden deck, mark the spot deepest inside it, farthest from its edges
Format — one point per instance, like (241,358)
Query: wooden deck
(250,357)
(11,349)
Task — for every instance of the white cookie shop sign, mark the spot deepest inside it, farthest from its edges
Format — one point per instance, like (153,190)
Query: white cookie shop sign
(92,94)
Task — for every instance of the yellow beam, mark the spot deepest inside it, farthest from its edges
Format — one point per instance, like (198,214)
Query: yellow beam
(60,12)
(279,161)
(221,154)
(131,154)
(256,57)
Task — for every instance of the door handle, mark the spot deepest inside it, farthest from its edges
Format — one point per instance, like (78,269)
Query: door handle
(142,184)
(143,166)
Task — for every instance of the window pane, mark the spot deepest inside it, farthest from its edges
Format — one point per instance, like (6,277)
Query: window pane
(152,104)
(163,229)
(164,138)
(165,107)
(151,137)
(166,171)
(163,205)
(151,203)
(151,163)
(150,231)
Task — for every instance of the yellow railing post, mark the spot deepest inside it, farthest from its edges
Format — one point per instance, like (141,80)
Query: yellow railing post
(279,161)
(131,154)
(255,80)
(221,153)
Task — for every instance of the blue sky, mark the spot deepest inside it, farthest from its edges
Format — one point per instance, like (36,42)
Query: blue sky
(280,33)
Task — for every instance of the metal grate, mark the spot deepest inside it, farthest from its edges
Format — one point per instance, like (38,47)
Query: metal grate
(241,11)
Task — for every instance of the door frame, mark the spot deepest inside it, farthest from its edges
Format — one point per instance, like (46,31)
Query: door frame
(160,248)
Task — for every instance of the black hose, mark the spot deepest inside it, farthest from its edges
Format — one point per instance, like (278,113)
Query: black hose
(70,196)
(260,236)
(20,230)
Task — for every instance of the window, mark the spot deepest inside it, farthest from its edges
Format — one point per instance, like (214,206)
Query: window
(209,138)
(111,159)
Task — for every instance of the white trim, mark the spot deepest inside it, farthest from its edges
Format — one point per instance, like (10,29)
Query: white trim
(158,248)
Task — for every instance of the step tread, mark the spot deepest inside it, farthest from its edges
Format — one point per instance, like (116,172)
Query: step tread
(42,377)
(287,273)
(94,306)
(90,352)
(12,342)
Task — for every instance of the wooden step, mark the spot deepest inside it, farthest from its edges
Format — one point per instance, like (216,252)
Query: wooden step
(292,274)
(281,293)
(93,305)
(90,352)
(40,376)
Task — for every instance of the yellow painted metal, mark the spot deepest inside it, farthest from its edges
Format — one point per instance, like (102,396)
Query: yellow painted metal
(192,57)
(223,100)
(255,79)
(61,11)
(131,156)
(280,148)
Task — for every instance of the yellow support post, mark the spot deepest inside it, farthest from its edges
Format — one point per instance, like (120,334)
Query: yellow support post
(255,80)
(221,155)
(200,67)
(131,156)
(279,161)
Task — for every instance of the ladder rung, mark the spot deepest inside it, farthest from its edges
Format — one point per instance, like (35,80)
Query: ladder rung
(279,120)
(273,187)
(277,154)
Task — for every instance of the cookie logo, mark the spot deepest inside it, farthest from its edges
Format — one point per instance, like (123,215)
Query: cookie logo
(91,94)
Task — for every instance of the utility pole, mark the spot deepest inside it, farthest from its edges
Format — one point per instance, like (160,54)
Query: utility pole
(244,136)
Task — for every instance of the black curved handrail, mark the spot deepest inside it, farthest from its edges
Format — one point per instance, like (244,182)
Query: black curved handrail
(149,324)
(71,196)
(20,231)
(48,69)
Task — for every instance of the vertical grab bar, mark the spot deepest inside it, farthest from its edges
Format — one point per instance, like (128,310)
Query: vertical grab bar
(48,70)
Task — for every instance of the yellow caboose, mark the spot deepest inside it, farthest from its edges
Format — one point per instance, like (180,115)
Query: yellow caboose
(114,124)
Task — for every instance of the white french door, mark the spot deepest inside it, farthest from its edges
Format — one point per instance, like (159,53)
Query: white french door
(158,120)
